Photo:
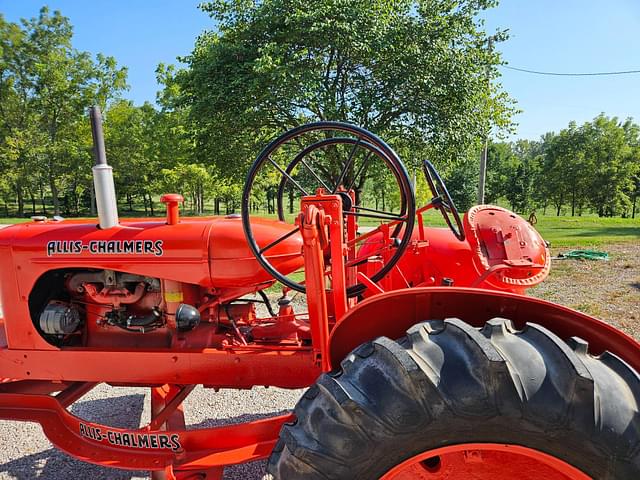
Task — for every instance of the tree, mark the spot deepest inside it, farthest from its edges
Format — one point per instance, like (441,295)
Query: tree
(610,162)
(513,173)
(191,180)
(563,165)
(126,141)
(18,133)
(412,71)
(593,165)
(635,192)
(45,87)
(501,166)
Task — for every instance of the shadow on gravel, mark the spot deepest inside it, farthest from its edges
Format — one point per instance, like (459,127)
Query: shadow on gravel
(52,464)
(246,417)
(246,471)
(636,285)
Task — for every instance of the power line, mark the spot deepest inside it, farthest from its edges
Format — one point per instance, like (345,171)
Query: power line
(559,74)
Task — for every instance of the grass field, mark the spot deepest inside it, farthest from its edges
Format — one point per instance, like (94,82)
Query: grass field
(560,231)
(13,220)
(588,231)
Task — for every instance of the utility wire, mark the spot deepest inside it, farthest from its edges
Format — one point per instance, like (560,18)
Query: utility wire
(558,74)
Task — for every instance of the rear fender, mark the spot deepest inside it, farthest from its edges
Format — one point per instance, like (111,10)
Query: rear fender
(391,313)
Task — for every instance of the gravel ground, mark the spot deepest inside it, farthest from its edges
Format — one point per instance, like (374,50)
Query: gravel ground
(609,290)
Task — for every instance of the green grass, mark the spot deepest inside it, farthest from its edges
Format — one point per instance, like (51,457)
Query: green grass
(588,230)
(13,220)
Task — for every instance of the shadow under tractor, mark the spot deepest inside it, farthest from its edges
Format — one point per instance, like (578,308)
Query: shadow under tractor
(423,357)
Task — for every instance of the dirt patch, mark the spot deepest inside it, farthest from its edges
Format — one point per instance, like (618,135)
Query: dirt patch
(608,290)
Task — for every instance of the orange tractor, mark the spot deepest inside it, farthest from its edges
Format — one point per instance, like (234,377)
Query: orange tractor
(423,358)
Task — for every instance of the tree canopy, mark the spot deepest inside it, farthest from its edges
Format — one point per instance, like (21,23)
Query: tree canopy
(46,86)
(594,166)
(415,72)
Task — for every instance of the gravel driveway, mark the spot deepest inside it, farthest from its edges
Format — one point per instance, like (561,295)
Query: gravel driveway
(612,288)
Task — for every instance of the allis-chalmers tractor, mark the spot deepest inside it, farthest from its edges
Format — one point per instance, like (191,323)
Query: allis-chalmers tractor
(423,358)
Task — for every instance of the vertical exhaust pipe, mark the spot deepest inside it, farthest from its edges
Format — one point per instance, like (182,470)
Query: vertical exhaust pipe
(102,175)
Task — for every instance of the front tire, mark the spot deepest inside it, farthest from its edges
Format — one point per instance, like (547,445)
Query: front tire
(447,383)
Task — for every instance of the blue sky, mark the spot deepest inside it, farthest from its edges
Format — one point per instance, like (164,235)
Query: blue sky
(549,35)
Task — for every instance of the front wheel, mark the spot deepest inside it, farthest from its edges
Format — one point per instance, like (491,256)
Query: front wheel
(453,401)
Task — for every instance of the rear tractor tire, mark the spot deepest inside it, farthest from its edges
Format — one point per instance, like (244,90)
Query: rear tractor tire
(448,386)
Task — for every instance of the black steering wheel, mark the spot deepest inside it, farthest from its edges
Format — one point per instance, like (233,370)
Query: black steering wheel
(340,159)
(442,200)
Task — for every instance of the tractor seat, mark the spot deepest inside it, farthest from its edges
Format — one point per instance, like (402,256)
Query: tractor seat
(505,242)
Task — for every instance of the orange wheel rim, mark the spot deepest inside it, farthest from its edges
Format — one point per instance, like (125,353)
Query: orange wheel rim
(484,461)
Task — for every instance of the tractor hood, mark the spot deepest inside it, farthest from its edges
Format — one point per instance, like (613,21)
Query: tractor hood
(205,251)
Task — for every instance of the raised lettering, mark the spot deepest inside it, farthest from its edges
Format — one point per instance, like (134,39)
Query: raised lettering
(143,440)
(158,245)
(128,246)
(175,442)
(164,441)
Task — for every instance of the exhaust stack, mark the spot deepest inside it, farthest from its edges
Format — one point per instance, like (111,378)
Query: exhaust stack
(102,175)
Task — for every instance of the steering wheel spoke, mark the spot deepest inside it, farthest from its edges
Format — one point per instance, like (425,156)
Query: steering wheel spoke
(279,240)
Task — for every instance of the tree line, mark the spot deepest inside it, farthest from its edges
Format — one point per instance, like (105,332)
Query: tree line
(594,167)
(417,73)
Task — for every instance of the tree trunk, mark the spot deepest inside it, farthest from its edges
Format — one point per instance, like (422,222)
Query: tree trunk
(291,200)
(153,213)
(33,202)
(75,198)
(54,195)
(44,205)
(20,196)
(633,210)
(559,204)
(92,200)
(67,206)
